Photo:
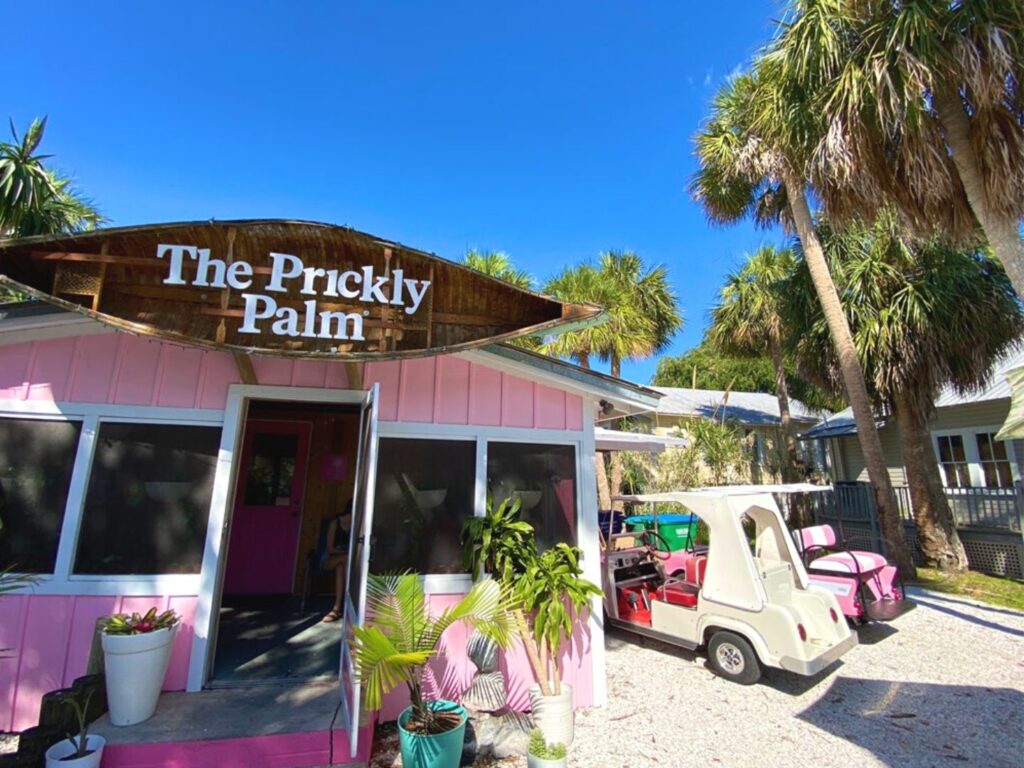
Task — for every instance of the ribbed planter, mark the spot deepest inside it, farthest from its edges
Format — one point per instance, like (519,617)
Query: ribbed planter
(57,755)
(135,669)
(438,750)
(532,761)
(553,715)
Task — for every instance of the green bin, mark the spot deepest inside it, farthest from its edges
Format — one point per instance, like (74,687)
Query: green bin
(679,531)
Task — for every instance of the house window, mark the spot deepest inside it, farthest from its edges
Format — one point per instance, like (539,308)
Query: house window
(953,461)
(425,490)
(36,460)
(544,478)
(995,464)
(148,499)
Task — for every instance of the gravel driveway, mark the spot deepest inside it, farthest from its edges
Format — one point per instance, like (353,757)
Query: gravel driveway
(942,685)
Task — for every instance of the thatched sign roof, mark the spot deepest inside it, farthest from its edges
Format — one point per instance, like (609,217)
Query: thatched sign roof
(279,287)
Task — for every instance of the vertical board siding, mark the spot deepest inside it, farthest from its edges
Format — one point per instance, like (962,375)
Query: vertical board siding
(122,369)
(47,640)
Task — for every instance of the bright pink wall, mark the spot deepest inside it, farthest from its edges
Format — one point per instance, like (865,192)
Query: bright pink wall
(45,642)
(452,671)
(124,369)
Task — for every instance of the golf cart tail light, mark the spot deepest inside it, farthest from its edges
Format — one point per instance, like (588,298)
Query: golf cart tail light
(834,615)
(802,631)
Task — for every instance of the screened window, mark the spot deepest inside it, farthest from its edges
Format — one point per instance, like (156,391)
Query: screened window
(953,461)
(995,464)
(148,500)
(425,489)
(36,459)
(544,478)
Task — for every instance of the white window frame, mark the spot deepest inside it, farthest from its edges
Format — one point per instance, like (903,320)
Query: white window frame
(972,455)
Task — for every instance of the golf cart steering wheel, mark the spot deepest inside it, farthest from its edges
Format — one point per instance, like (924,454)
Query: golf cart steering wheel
(661,554)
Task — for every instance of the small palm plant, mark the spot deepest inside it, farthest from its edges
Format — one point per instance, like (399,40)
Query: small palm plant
(402,636)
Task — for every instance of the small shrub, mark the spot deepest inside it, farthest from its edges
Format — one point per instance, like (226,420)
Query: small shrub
(123,624)
(540,748)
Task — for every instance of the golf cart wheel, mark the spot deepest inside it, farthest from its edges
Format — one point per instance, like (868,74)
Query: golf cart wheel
(732,658)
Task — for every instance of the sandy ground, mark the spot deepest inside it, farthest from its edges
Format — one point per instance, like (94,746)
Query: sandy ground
(941,686)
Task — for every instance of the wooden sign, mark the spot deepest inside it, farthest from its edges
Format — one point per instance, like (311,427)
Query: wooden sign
(279,287)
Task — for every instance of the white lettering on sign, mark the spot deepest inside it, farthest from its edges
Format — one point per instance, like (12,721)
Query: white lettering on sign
(261,311)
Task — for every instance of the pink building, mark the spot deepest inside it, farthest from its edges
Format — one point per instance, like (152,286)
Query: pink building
(140,471)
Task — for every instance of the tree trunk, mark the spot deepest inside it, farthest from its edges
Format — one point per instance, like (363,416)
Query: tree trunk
(940,544)
(799,514)
(615,483)
(853,377)
(604,496)
(1001,232)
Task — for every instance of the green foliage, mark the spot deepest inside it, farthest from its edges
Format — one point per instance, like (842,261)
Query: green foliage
(498,264)
(499,543)
(717,370)
(539,747)
(401,635)
(641,307)
(136,624)
(720,445)
(33,199)
(80,740)
(11,581)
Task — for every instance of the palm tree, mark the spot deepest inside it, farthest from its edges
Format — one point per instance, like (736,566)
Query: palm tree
(33,199)
(923,109)
(753,154)
(924,316)
(498,264)
(747,321)
(642,316)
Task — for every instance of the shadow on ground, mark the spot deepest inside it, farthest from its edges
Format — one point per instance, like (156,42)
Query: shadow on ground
(922,724)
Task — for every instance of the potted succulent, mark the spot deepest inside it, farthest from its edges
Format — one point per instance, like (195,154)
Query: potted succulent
(84,750)
(136,652)
(550,597)
(395,646)
(540,754)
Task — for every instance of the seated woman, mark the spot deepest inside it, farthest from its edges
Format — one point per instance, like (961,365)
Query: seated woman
(335,556)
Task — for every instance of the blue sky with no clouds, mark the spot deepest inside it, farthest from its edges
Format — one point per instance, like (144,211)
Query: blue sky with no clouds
(551,131)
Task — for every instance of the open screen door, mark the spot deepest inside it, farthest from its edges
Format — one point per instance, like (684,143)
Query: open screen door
(358,561)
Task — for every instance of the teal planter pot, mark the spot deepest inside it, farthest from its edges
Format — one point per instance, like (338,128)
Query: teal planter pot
(440,750)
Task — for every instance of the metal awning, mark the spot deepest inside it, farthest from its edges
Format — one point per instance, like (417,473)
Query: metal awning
(615,440)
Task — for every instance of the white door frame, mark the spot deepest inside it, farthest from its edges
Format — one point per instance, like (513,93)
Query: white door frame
(211,576)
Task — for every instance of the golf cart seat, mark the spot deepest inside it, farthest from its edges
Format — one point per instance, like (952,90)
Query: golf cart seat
(850,562)
(822,538)
(685,591)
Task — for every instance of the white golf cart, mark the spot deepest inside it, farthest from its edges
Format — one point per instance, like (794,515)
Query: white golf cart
(748,602)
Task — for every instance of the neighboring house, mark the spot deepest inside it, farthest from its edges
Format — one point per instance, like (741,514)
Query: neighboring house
(963,437)
(756,413)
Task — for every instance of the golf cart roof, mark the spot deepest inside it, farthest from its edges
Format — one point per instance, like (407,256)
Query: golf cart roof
(721,492)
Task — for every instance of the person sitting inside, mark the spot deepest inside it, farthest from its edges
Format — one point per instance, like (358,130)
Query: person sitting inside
(335,556)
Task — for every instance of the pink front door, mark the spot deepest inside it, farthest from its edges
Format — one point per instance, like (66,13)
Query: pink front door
(268,508)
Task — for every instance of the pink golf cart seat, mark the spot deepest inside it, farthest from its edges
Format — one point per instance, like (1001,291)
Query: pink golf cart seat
(823,538)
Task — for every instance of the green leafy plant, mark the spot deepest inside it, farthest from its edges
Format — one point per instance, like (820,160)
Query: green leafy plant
(401,636)
(540,748)
(550,596)
(11,581)
(136,624)
(80,741)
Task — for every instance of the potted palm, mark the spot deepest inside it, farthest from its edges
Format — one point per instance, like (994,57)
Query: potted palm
(136,652)
(83,750)
(541,754)
(550,599)
(395,646)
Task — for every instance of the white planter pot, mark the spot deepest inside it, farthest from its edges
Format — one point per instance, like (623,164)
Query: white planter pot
(532,761)
(553,715)
(135,670)
(63,748)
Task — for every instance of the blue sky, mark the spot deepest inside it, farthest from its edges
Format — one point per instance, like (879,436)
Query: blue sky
(551,131)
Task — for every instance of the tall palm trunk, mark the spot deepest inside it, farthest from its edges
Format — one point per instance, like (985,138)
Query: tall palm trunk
(1001,231)
(615,483)
(604,495)
(798,512)
(940,544)
(853,376)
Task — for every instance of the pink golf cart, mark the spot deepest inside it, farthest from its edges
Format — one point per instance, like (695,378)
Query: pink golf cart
(866,585)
